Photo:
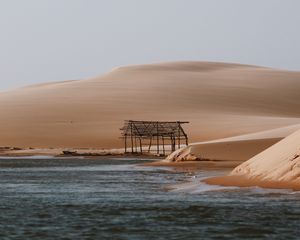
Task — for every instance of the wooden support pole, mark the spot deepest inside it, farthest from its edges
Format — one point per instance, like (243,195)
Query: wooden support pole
(173,143)
(131,137)
(125,143)
(157,138)
(150,144)
(141,147)
(178,136)
(163,141)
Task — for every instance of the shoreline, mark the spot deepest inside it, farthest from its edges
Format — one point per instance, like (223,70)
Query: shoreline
(184,166)
(242,181)
(196,165)
(88,153)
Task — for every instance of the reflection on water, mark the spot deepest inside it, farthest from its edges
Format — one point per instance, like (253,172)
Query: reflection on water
(117,199)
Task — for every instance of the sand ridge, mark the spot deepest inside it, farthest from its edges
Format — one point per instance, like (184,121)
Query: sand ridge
(276,167)
(220,100)
(237,148)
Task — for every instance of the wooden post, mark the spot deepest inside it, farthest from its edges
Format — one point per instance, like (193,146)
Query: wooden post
(141,148)
(150,144)
(173,143)
(131,137)
(163,141)
(125,143)
(157,138)
(178,135)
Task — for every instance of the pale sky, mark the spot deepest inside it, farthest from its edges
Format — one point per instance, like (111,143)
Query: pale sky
(52,40)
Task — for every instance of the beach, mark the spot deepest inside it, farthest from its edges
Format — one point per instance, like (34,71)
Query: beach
(276,167)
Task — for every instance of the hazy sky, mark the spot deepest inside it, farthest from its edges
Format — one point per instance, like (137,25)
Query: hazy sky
(51,40)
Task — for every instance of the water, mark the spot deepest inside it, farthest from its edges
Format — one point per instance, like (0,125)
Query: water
(118,199)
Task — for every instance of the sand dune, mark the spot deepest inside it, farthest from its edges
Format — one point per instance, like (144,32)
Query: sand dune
(277,167)
(220,100)
(237,148)
(280,162)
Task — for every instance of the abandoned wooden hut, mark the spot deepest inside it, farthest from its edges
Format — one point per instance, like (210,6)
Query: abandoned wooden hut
(140,136)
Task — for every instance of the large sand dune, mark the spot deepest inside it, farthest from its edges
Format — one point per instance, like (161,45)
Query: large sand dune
(220,100)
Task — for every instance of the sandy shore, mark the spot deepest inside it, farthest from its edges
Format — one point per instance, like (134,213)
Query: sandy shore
(242,181)
(239,181)
(239,148)
(276,167)
(18,152)
(86,153)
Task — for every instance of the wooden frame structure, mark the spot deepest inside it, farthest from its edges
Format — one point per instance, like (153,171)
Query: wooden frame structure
(137,134)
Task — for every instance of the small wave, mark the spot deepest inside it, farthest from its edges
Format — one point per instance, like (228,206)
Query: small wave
(196,185)
(271,191)
(200,187)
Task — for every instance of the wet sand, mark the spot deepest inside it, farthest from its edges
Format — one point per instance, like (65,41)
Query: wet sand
(242,181)
(238,181)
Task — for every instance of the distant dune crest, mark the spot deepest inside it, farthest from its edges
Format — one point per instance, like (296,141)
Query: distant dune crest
(218,99)
(189,66)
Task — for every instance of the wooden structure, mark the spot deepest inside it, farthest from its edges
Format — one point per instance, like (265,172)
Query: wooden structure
(140,136)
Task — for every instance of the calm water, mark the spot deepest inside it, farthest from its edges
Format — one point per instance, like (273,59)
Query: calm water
(117,199)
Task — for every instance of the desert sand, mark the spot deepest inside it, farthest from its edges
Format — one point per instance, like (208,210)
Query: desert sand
(276,167)
(238,148)
(219,100)
(279,162)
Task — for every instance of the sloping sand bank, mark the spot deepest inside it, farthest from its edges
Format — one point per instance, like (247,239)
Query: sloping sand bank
(238,148)
(276,167)
(220,100)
